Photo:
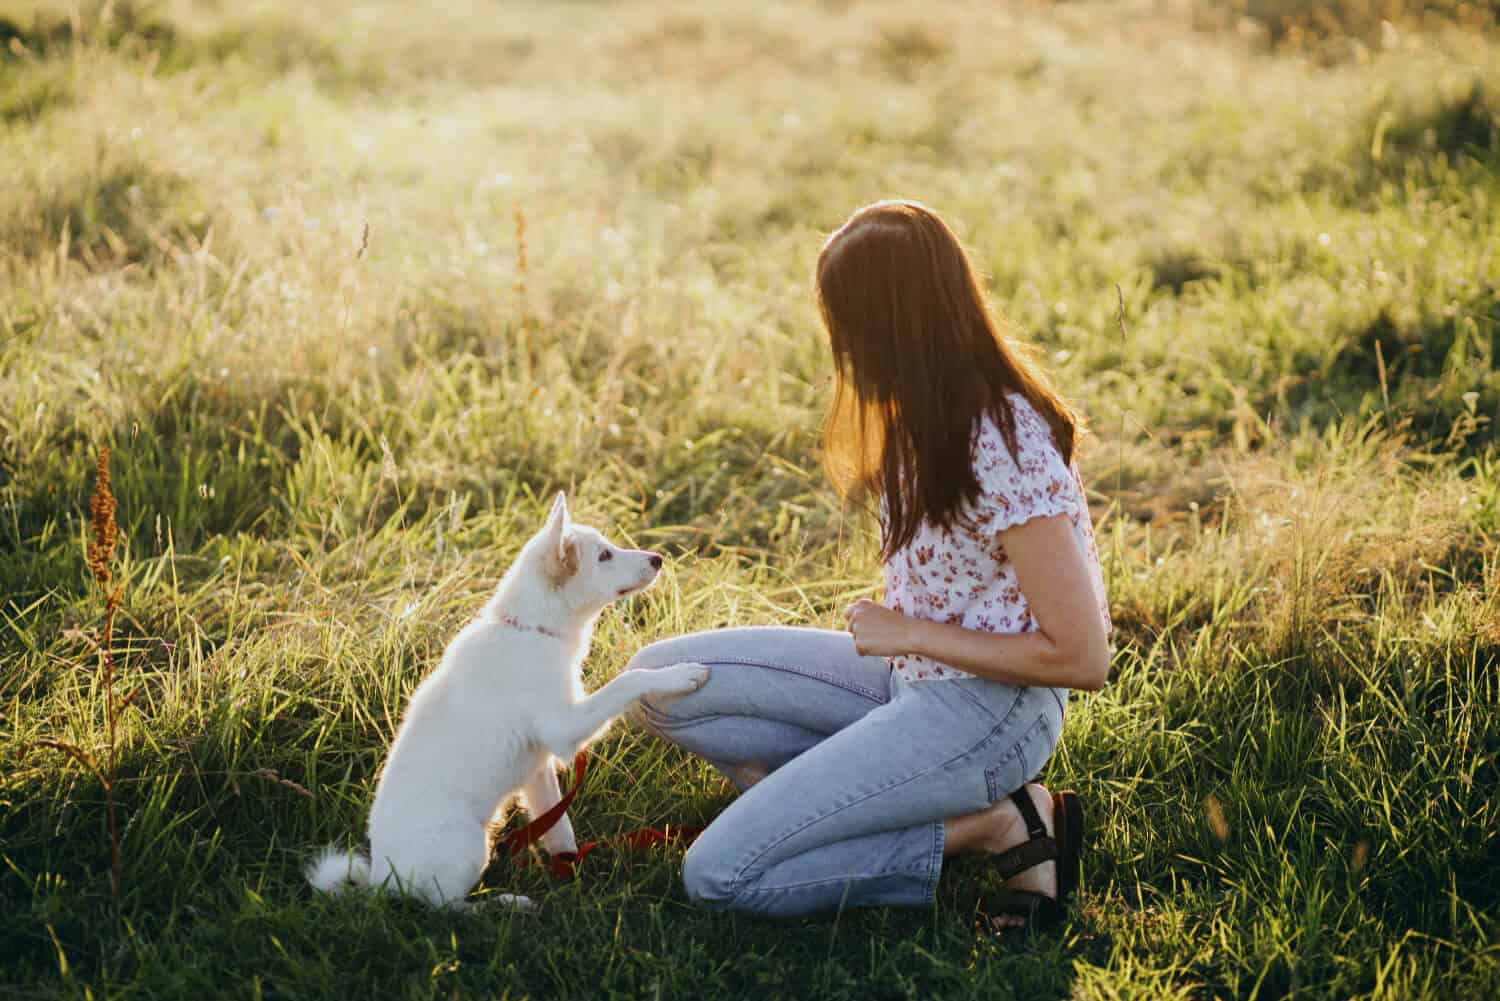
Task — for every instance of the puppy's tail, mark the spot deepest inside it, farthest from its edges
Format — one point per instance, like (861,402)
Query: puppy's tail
(334,870)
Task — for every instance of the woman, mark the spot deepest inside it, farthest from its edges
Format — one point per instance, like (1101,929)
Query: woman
(865,758)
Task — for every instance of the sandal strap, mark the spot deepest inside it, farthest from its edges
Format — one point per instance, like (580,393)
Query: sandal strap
(1023,802)
(1018,903)
(1024,856)
(1040,912)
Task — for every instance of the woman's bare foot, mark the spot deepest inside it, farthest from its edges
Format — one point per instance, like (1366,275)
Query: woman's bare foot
(1001,828)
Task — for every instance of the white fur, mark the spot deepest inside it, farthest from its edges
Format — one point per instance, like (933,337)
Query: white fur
(503,706)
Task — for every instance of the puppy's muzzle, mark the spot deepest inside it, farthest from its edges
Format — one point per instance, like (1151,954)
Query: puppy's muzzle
(647,579)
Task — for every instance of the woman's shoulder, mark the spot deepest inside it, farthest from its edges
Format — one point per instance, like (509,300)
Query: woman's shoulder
(1034,443)
(1031,481)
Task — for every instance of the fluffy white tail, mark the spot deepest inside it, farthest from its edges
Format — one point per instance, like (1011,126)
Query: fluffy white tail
(334,870)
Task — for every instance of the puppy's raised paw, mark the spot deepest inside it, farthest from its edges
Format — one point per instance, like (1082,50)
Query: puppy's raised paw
(681,679)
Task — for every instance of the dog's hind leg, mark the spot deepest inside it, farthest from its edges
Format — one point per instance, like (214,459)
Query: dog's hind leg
(438,861)
(540,794)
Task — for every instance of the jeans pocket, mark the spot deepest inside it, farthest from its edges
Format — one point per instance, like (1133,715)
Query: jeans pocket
(994,699)
(1021,761)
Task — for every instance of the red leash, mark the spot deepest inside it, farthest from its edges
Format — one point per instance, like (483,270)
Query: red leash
(563,864)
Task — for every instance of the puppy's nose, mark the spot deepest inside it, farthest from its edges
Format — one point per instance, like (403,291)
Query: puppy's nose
(655,562)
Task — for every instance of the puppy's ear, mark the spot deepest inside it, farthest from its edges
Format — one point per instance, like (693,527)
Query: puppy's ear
(559,512)
(562,549)
(564,563)
(557,524)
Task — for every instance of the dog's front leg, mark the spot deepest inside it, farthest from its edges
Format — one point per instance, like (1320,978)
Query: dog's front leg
(572,730)
(541,793)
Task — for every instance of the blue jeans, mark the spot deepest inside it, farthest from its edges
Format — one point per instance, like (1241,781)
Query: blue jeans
(864,766)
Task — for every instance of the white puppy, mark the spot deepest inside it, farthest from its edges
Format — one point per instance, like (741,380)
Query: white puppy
(502,707)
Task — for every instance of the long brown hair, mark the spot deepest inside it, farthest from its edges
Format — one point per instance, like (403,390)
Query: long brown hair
(919,361)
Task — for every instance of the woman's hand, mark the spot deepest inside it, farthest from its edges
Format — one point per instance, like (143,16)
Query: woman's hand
(878,631)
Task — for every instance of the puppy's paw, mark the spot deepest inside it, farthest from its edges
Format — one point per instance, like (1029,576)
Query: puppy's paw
(516,902)
(505,901)
(556,842)
(680,679)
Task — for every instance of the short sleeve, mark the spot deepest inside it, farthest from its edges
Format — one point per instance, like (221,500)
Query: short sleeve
(1033,483)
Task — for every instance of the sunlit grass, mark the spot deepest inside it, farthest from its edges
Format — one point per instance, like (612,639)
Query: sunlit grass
(268,255)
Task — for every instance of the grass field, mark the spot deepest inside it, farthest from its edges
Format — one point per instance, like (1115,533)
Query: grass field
(350,290)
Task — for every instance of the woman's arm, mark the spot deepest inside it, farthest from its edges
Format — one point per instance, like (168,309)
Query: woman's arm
(1069,649)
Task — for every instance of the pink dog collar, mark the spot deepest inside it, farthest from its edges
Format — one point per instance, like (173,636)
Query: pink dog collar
(515,623)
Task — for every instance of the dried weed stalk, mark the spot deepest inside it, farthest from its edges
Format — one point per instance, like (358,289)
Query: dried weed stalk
(105,534)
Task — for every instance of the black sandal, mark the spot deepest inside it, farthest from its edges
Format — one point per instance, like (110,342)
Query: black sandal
(1064,847)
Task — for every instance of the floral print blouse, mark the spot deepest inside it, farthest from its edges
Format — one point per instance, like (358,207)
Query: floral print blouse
(960,573)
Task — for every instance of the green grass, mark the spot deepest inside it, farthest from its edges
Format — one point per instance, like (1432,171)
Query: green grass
(325,456)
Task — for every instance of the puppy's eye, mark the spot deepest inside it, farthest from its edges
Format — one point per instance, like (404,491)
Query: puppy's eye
(605,556)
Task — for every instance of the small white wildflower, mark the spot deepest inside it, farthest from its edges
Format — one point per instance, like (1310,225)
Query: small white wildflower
(1324,239)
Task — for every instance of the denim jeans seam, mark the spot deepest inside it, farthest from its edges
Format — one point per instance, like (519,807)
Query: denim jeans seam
(834,680)
(1055,738)
(736,879)
(935,865)
(932,870)
(992,770)
(666,721)
(802,883)
(1014,707)
(979,703)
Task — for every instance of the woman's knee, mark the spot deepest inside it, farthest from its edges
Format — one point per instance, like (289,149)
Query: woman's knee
(664,653)
(708,874)
(656,712)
